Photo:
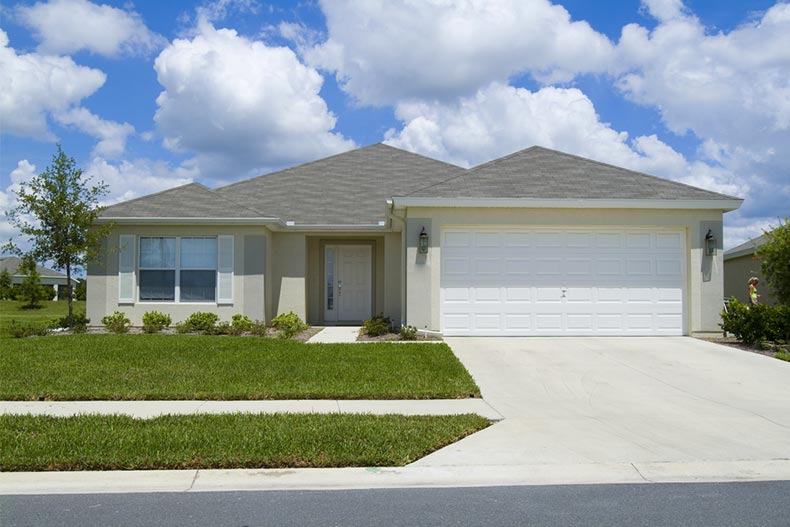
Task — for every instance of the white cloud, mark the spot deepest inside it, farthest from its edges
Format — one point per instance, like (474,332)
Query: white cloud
(23,173)
(501,119)
(111,135)
(241,105)
(665,9)
(383,52)
(68,26)
(33,85)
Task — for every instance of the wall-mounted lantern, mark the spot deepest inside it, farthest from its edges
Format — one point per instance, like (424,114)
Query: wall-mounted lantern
(422,245)
(710,243)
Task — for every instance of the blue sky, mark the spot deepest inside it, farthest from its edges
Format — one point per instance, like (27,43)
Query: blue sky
(148,95)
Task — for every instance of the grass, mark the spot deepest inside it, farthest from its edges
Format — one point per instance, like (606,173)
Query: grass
(12,310)
(783,356)
(113,442)
(138,367)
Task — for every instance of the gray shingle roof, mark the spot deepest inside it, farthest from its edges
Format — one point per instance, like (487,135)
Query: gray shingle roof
(351,188)
(12,263)
(541,173)
(188,201)
(348,188)
(747,247)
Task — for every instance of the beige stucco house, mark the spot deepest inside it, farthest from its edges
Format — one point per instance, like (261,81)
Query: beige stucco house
(535,243)
(740,264)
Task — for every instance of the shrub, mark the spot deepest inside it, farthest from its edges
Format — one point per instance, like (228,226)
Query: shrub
(408,333)
(288,324)
(154,321)
(378,325)
(754,324)
(223,328)
(183,327)
(79,323)
(201,321)
(258,328)
(117,322)
(242,324)
(21,330)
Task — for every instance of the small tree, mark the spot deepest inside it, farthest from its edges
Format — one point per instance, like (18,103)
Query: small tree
(774,256)
(5,285)
(64,206)
(30,288)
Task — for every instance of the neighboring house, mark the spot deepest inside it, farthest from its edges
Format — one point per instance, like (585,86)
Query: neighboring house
(740,264)
(48,276)
(535,243)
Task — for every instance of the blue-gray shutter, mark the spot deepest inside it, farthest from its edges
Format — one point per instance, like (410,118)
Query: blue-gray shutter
(225,269)
(126,269)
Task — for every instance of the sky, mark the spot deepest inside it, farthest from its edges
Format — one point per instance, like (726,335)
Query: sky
(149,95)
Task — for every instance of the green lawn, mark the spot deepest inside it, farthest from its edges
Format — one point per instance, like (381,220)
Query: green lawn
(114,367)
(101,442)
(12,310)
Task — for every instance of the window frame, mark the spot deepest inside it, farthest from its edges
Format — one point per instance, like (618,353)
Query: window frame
(177,270)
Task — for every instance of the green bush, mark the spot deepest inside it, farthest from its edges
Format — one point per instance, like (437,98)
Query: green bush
(754,324)
(288,324)
(79,323)
(182,327)
(408,333)
(154,321)
(117,322)
(21,330)
(242,324)
(222,328)
(258,328)
(201,321)
(378,325)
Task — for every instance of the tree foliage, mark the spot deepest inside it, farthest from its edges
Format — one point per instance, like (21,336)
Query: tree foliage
(774,256)
(30,289)
(6,290)
(56,211)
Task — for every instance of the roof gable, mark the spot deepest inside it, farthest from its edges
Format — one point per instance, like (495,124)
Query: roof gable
(12,264)
(542,173)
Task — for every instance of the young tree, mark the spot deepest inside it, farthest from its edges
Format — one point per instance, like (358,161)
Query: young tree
(774,256)
(65,206)
(30,288)
(5,285)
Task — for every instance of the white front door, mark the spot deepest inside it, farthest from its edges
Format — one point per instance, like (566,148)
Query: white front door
(347,283)
(522,281)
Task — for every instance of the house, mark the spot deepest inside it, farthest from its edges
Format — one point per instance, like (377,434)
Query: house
(48,276)
(535,243)
(740,264)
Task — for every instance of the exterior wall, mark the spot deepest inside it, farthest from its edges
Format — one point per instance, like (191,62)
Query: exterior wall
(274,272)
(737,272)
(250,250)
(704,274)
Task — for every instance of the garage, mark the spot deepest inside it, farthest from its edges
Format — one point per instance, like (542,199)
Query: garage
(569,281)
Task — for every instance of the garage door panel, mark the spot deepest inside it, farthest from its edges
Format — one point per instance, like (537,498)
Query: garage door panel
(562,282)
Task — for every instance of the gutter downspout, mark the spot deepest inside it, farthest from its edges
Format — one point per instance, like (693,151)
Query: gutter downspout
(402,221)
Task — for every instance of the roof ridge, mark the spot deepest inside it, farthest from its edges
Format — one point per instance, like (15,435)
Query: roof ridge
(508,156)
(147,196)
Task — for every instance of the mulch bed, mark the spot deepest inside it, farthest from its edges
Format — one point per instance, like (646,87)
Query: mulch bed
(389,337)
(735,343)
(270,332)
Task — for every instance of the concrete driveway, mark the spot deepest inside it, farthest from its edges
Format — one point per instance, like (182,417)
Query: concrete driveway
(580,401)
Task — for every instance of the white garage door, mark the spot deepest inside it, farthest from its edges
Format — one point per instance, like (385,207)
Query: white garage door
(562,282)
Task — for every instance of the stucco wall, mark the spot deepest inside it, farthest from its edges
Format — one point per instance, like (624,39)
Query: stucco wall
(704,275)
(737,272)
(249,275)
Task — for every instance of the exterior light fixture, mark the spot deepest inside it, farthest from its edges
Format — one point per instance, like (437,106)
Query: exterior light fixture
(710,243)
(422,245)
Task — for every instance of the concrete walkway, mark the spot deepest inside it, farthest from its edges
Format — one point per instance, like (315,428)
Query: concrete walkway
(147,409)
(336,334)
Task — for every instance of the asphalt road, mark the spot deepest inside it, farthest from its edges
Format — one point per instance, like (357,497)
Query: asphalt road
(754,504)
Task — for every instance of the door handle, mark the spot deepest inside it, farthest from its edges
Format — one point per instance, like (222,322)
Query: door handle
(563,292)
(339,287)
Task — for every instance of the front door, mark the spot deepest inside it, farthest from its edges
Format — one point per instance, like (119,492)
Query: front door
(347,283)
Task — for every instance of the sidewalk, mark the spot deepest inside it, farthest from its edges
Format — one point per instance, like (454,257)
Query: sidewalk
(147,409)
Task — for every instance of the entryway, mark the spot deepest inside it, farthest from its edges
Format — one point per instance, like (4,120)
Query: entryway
(348,283)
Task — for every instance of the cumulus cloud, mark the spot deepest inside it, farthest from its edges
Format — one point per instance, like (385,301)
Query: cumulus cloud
(131,179)
(383,52)
(241,105)
(68,26)
(23,173)
(33,85)
(111,135)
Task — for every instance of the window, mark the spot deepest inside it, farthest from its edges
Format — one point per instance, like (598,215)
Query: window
(183,268)
(158,269)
